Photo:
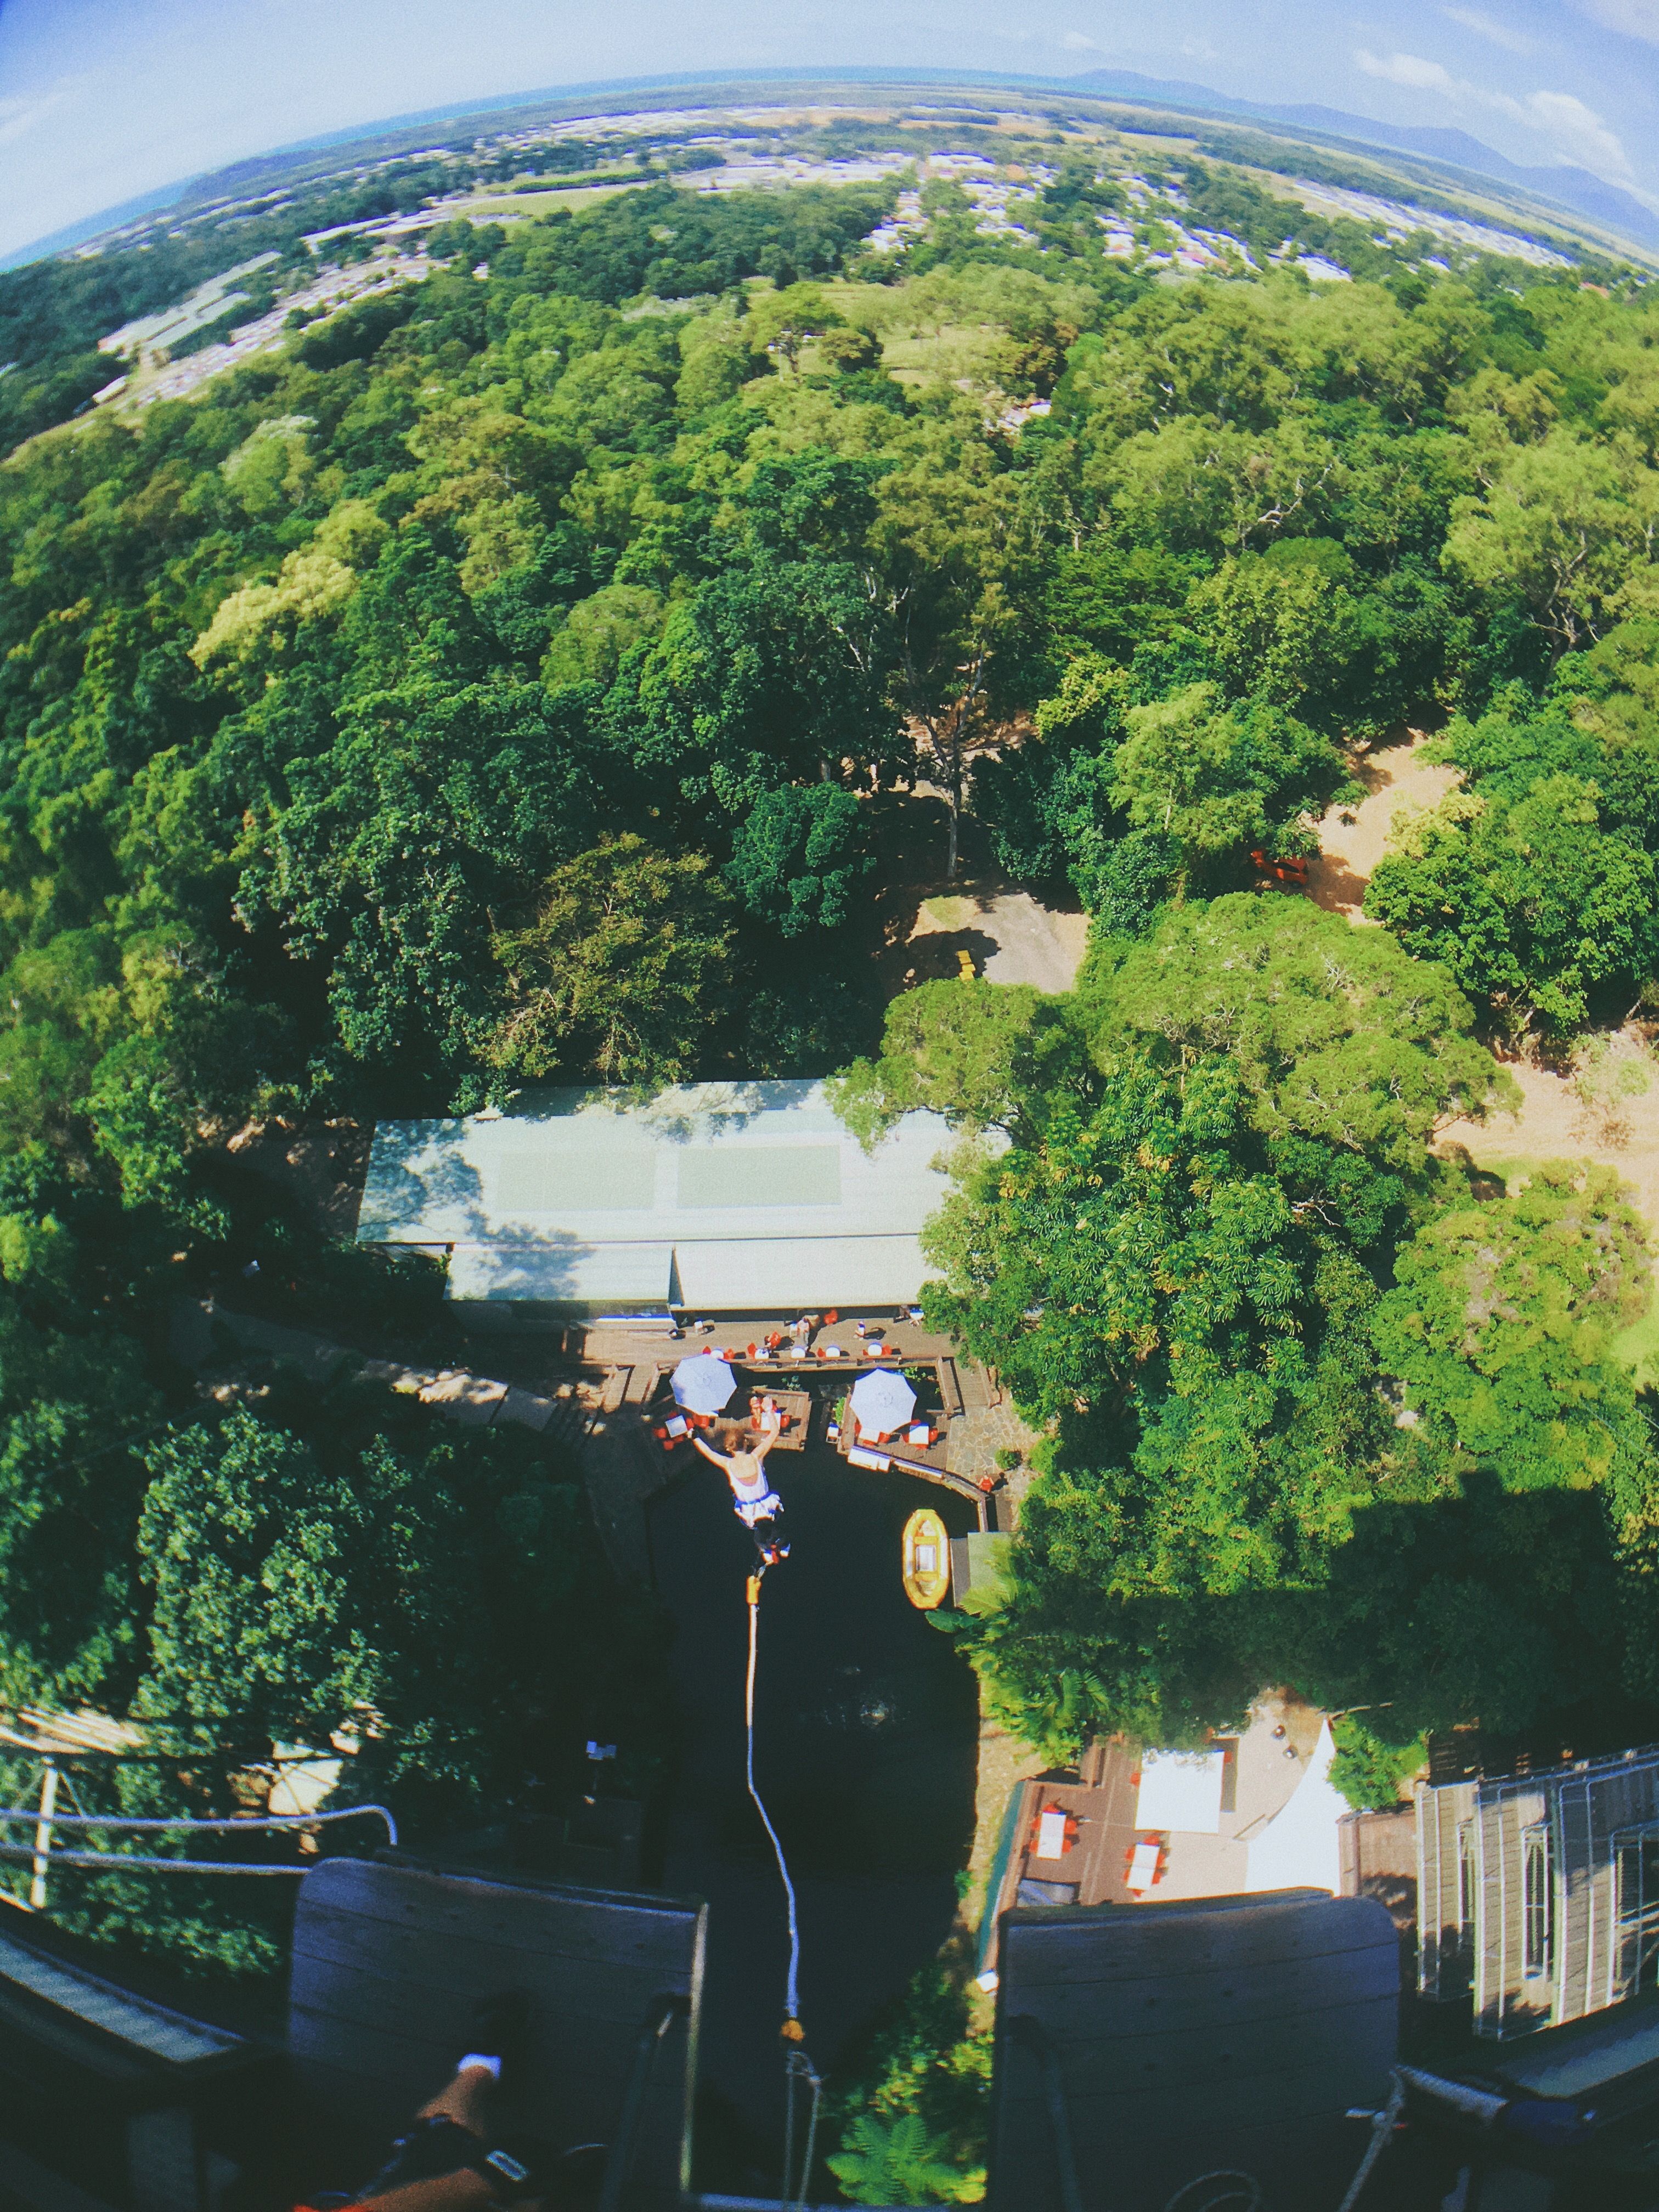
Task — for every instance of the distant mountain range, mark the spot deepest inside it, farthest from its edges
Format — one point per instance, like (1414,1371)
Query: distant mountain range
(1579,190)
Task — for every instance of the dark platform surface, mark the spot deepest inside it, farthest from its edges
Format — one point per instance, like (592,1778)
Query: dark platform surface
(1229,2033)
(388,1960)
(106,2091)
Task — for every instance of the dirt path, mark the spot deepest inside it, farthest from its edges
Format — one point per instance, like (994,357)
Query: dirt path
(1351,839)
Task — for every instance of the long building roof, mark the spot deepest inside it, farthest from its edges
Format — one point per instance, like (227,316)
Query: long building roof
(736,1196)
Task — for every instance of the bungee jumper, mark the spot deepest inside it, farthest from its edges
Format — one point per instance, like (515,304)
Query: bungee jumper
(701,1385)
(743,1463)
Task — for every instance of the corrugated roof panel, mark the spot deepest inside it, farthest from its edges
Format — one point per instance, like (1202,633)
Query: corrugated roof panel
(763,1160)
(747,1176)
(541,1178)
(621,1275)
(742,1275)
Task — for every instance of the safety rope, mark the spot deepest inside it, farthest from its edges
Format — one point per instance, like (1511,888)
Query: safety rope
(1382,2128)
(798,2067)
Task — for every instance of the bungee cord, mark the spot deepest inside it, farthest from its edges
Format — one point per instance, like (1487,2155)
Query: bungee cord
(792,2028)
(798,2069)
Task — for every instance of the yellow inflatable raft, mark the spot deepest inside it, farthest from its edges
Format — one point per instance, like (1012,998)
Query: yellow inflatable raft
(927,1556)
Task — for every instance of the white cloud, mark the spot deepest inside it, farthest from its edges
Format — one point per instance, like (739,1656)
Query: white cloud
(1410,70)
(20,117)
(1637,19)
(1076,43)
(1199,50)
(1576,132)
(1488,27)
(1580,132)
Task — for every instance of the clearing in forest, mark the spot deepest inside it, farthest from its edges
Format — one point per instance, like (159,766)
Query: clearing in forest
(1351,838)
(1600,1106)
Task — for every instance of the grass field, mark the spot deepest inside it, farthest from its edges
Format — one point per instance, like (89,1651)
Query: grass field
(1638,1345)
(1638,1348)
(509,206)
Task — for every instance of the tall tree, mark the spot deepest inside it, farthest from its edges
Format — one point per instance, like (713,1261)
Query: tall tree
(622,973)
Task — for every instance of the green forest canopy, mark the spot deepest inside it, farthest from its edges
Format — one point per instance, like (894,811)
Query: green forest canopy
(512,678)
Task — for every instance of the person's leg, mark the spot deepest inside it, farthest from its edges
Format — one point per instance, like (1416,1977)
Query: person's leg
(464,2191)
(464,2099)
(455,2127)
(770,1542)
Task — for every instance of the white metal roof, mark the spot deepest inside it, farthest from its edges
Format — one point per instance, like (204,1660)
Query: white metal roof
(1180,1791)
(718,1196)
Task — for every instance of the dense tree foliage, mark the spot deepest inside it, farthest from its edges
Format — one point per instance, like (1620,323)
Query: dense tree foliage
(427,1605)
(1534,881)
(1315,1406)
(546,670)
(324,691)
(914,2113)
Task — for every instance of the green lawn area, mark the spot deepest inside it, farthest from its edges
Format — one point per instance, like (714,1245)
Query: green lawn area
(1638,1345)
(948,914)
(510,204)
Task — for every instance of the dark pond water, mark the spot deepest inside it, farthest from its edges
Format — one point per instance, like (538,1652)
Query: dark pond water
(866,1736)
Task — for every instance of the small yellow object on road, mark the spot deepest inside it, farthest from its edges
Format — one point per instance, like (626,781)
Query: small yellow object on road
(965,966)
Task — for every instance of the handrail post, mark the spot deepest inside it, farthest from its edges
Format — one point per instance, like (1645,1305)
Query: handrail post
(1028,2031)
(665,2009)
(43,1837)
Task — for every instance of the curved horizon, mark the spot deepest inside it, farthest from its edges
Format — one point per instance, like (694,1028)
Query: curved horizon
(109,113)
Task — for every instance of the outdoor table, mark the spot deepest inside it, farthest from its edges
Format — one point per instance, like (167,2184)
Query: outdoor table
(795,1406)
(672,1425)
(923,1450)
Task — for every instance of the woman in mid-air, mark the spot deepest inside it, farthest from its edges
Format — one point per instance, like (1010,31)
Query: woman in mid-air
(744,1465)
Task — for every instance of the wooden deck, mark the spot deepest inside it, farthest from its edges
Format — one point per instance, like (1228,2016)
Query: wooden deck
(803,1385)
(1101,1800)
(931,1461)
(795,1405)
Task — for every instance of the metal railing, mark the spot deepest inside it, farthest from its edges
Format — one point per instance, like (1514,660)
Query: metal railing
(47,1820)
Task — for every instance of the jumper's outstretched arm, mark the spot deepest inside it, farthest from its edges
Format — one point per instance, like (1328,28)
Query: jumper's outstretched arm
(719,1459)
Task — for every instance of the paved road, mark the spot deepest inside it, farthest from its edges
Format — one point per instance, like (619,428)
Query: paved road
(1035,944)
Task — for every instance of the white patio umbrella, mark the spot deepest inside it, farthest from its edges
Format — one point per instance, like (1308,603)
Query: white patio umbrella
(882,1401)
(703,1383)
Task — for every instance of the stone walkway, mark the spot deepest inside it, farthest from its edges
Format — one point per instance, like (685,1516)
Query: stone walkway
(202,1332)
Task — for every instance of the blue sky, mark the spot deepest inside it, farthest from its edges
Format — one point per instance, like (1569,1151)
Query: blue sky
(103,100)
